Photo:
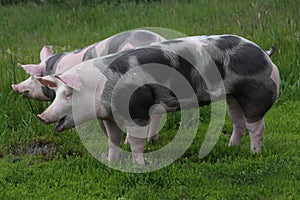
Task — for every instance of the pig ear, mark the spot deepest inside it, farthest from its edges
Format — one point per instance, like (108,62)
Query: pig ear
(46,52)
(32,69)
(47,82)
(71,80)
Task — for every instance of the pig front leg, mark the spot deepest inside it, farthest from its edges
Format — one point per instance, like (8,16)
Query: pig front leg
(137,140)
(114,138)
(236,114)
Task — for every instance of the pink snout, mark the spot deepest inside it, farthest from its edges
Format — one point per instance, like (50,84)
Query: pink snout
(15,88)
(43,119)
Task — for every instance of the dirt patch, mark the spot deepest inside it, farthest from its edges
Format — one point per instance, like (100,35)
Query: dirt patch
(41,148)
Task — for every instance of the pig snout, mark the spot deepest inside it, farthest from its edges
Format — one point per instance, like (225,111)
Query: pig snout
(16,88)
(43,119)
(20,89)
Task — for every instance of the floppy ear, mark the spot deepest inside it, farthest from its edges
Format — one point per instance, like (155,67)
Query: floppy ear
(71,80)
(32,69)
(45,53)
(47,82)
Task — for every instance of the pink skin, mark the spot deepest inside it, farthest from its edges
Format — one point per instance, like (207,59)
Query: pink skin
(72,82)
(115,136)
(56,113)
(276,78)
(256,131)
(69,61)
(137,141)
(60,110)
(30,87)
(68,87)
(74,86)
(236,115)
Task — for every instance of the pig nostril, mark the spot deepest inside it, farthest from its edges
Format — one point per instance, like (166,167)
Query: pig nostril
(14,87)
(42,119)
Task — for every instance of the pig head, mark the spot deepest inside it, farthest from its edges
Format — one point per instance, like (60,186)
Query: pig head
(75,93)
(30,88)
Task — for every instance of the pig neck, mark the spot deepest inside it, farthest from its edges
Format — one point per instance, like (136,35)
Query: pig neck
(102,111)
(69,60)
(52,62)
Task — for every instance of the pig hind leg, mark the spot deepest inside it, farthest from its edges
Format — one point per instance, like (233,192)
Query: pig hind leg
(255,99)
(236,114)
(256,130)
(153,130)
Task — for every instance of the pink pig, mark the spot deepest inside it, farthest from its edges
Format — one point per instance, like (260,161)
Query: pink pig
(237,70)
(61,62)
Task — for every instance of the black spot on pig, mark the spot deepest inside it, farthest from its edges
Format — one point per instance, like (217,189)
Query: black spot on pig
(155,58)
(249,60)
(48,92)
(51,63)
(228,42)
(115,42)
(172,42)
(90,53)
(220,66)
(139,105)
(255,97)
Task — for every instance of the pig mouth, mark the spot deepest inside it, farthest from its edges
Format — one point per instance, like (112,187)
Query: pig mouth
(60,124)
(25,93)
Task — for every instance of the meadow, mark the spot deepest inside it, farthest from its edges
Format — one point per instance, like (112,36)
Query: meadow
(38,163)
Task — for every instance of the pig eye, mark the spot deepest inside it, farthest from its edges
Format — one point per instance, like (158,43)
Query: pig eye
(68,94)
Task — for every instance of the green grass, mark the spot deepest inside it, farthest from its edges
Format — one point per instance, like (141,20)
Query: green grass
(65,170)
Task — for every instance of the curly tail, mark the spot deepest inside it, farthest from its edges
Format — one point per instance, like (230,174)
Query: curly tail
(271,51)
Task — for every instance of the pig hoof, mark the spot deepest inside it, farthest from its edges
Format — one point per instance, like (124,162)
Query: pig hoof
(234,141)
(153,139)
(255,150)
(104,156)
(140,162)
